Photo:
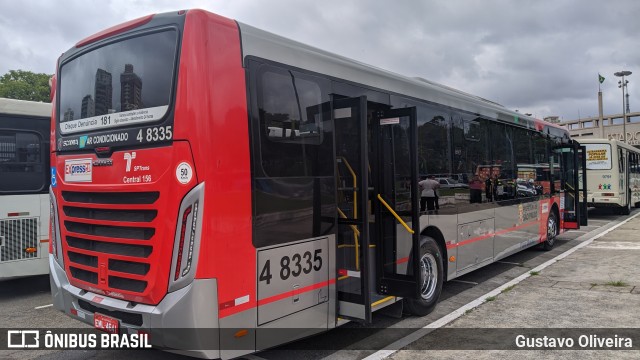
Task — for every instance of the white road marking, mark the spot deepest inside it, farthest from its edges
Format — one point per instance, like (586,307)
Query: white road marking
(615,245)
(418,334)
(465,282)
(43,306)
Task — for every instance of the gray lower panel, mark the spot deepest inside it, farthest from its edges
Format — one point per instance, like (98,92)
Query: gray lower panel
(191,309)
(296,326)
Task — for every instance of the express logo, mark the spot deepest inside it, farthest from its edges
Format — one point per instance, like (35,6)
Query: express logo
(78,170)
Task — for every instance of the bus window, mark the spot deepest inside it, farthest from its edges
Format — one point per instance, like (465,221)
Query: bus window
(21,164)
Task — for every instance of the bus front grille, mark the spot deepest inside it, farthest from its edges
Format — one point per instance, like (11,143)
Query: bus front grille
(110,238)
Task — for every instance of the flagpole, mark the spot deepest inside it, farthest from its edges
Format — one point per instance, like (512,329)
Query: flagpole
(599,82)
(600,111)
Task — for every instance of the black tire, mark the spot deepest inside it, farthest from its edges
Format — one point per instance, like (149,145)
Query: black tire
(430,261)
(552,231)
(626,210)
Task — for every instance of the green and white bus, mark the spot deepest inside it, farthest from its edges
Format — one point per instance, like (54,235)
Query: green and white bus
(613,174)
(24,188)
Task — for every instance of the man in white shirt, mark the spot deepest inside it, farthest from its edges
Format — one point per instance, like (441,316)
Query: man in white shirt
(428,195)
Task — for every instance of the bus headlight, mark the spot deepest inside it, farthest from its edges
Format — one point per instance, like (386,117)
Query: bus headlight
(55,240)
(187,239)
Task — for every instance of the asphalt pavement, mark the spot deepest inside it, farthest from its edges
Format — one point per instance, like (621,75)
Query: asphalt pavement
(588,296)
(595,284)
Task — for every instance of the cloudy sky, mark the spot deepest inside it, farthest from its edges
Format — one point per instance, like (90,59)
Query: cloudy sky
(541,57)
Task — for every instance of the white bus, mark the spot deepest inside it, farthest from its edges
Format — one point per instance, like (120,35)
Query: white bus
(24,187)
(613,174)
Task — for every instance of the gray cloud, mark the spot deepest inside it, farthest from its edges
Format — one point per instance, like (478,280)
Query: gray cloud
(541,57)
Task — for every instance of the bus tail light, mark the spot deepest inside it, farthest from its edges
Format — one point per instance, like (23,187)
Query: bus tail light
(55,242)
(183,231)
(187,239)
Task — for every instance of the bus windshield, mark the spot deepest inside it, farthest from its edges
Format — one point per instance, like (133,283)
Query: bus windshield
(598,156)
(122,83)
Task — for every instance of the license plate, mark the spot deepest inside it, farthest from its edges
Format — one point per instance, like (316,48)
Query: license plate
(106,323)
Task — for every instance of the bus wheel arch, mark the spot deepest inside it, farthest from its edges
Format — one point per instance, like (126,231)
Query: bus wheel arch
(435,233)
(626,208)
(432,274)
(553,228)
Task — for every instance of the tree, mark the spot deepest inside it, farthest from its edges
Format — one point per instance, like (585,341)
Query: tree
(25,85)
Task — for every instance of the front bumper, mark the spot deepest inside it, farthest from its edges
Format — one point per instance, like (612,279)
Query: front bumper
(185,321)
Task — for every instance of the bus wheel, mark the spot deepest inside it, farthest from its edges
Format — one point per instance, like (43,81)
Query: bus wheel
(552,231)
(626,210)
(431,278)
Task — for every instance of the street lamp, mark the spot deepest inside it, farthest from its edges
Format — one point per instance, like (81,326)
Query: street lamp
(623,84)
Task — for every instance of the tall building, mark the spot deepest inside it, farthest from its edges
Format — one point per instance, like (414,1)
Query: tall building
(611,127)
(130,89)
(103,92)
(68,115)
(88,107)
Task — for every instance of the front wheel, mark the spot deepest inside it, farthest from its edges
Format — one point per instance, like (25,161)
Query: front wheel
(552,231)
(431,278)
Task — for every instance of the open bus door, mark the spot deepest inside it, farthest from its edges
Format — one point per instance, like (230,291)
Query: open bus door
(573,201)
(352,166)
(397,202)
(582,184)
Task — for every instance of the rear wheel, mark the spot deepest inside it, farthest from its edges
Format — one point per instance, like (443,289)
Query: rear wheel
(626,210)
(552,231)
(431,278)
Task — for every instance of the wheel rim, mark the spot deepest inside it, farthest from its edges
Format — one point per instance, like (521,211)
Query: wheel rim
(551,230)
(429,274)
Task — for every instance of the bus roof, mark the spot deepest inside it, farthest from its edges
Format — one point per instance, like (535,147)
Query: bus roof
(23,107)
(263,44)
(613,142)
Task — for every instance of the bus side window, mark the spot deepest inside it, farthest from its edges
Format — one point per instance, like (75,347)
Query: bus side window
(621,159)
(291,120)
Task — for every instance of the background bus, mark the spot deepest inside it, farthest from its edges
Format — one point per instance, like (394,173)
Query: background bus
(613,174)
(24,186)
(218,176)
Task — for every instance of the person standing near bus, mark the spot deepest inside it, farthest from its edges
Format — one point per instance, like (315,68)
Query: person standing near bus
(488,189)
(475,190)
(428,195)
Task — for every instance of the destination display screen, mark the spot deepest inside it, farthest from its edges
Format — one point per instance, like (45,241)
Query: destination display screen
(598,156)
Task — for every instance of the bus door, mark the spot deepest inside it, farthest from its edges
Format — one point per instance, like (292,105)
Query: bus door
(352,166)
(573,190)
(582,184)
(396,198)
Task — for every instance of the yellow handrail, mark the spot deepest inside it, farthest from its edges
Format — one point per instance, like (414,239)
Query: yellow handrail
(395,215)
(353,227)
(355,183)
(356,235)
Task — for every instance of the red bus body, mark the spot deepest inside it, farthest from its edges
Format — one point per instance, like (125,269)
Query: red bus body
(126,215)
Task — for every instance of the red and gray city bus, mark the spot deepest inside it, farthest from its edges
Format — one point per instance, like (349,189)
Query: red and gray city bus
(217,177)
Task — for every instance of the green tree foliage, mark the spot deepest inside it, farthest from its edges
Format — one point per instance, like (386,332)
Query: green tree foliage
(25,85)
